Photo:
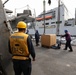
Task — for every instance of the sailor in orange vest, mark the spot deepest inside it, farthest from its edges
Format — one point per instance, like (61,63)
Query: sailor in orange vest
(21,47)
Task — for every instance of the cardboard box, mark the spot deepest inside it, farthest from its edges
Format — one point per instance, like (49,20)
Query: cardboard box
(48,40)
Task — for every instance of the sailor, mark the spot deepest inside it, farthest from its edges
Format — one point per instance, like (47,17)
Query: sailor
(37,37)
(21,47)
(68,40)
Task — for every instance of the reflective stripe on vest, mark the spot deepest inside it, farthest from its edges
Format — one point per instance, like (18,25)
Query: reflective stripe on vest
(20,37)
(18,44)
(20,58)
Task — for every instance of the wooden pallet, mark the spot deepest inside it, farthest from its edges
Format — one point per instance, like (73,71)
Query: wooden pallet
(45,46)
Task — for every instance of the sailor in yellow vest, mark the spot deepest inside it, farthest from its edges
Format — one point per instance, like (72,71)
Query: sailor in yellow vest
(21,47)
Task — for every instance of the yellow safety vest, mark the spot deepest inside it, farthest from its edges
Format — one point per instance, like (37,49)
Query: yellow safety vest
(18,44)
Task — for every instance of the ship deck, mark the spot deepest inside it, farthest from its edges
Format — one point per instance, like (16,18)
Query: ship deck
(52,62)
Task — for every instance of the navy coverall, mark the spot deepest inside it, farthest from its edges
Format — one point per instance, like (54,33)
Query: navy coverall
(68,41)
(37,37)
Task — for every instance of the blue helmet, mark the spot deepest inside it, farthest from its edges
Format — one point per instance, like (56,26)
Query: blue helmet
(65,31)
(37,31)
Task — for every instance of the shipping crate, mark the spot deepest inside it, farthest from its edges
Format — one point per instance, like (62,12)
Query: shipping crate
(48,40)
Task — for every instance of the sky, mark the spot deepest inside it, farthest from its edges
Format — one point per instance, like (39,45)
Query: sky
(37,5)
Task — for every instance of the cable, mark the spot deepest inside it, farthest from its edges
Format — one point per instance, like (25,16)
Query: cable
(21,7)
(66,8)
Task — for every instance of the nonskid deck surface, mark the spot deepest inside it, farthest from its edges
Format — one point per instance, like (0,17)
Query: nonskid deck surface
(52,62)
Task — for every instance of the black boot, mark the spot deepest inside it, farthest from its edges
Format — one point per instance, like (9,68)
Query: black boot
(70,50)
(64,49)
